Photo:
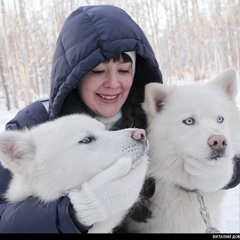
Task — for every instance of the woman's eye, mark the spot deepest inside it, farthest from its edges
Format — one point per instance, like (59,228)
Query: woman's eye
(189,121)
(97,71)
(124,71)
(220,119)
(86,140)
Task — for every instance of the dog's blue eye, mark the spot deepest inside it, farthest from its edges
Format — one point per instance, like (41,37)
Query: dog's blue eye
(87,140)
(220,119)
(189,121)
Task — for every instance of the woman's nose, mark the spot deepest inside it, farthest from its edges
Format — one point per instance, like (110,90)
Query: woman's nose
(111,81)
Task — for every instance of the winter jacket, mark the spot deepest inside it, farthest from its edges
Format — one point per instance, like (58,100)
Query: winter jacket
(89,36)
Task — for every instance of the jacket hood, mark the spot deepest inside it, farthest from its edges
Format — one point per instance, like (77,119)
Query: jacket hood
(91,35)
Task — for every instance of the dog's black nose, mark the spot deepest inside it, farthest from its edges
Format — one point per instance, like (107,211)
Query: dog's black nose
(139,134)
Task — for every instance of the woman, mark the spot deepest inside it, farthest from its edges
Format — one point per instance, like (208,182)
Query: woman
(101,64)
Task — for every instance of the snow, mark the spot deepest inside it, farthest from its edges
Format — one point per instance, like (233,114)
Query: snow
(230,210)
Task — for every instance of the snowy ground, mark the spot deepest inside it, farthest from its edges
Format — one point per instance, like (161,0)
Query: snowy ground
(230,206)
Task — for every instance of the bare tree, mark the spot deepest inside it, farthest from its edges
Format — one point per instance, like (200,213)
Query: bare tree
(190,38)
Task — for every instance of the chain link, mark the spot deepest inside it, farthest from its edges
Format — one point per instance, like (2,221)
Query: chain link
(205,215)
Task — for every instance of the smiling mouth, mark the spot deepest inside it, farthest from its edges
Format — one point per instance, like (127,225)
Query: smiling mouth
(107,97)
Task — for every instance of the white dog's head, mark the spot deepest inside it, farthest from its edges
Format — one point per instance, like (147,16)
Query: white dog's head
(193,132)
(57,156)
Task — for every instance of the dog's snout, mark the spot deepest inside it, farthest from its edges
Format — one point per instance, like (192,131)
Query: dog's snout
(139,134)
(217,142)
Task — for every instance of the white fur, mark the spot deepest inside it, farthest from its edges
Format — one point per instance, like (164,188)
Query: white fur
(180,154)
(51,159)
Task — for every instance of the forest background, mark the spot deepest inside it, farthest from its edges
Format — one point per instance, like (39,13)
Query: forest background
(192,39)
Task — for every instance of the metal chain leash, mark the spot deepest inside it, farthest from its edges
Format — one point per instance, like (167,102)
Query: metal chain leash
(205,215)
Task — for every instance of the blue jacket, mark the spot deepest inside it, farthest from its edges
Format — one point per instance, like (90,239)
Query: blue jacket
(89,36)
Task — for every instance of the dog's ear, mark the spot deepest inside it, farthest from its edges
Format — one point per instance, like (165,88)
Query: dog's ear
(155,95)
(16,150)
(227,80)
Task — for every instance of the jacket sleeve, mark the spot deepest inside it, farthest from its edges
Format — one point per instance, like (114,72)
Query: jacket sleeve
(33,114)
(32,216)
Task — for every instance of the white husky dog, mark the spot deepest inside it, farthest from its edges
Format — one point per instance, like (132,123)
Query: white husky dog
(61,156)
(194,134)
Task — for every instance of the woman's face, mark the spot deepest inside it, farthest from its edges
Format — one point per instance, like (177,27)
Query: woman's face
(105,89)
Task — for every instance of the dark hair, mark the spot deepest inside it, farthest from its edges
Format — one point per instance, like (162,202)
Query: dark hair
(132,110)
(125,57)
